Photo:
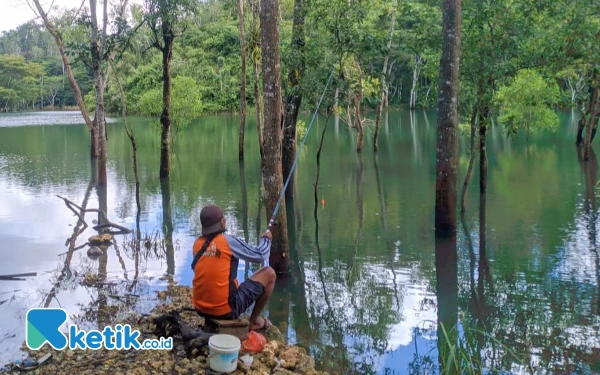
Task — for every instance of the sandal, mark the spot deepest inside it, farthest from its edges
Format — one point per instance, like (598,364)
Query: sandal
(266,325)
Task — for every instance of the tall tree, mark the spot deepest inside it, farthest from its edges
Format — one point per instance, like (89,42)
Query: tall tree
(165,18)
(294,96)
(69,71)
(384,89)
(447,141)
(243,79)
(271,160)
(255,53)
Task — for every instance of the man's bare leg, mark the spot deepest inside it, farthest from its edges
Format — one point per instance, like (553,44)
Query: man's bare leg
(266,276)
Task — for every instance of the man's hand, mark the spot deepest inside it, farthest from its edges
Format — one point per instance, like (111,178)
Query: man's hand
(268,234)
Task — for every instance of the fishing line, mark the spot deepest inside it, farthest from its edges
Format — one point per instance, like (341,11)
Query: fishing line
(287,181)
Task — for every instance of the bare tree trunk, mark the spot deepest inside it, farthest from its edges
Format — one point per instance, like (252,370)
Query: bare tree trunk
(259,108)
(294,97)
(483,122)
(358,123)
(471,159)
(271,166)
(243,80)
(256,57)
(383,89)
(97,53)
(165,117)
(132,140)
(586,110)
(580,127)
(447,141)
(67,68)
(416,74)
(244,201)
(165,189)
(595,123)
(592,116)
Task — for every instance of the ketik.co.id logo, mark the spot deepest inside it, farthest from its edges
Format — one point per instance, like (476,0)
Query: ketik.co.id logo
(43,326)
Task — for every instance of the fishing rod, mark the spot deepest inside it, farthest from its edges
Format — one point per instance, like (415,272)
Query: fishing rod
(287,181)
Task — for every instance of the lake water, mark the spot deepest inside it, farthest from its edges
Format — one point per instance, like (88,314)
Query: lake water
(362,295)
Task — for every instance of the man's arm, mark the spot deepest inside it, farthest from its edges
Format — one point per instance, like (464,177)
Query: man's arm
(247,252)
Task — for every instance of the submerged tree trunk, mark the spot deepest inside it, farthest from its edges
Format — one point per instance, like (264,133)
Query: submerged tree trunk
(447,141)
(67,68)
(294,97)
(243,80)
(165,190)
(383,89)
(471,159)
(595,124)
(584,115)
(129,133)
(358,123)
(483,123)
(97,53)
(271,166)
(165,117)
(580,127)
(446,270)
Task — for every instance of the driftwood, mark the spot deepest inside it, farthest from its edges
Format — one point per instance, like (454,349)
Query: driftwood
(17,277)
(81,215)
(171,325)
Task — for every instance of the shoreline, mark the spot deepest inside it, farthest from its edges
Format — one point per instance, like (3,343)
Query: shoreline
(277,357)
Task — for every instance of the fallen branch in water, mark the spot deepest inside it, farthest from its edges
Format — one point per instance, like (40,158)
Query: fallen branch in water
(75,249)
(17,277)
(107,223)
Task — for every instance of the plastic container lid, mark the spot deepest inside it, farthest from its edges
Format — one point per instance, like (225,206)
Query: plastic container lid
(223,342)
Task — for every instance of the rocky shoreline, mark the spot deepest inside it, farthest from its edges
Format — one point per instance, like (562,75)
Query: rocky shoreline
(276,358)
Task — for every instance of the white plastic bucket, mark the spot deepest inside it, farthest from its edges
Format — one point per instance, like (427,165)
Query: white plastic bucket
(223,352)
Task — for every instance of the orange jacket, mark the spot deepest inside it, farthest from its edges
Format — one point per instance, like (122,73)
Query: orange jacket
(215,274)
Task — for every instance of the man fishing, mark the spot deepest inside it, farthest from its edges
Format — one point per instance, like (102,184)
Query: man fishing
(216,292)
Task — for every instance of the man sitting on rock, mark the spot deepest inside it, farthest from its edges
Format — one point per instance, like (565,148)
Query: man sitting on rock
(216,292)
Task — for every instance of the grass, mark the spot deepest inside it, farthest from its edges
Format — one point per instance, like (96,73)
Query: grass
(459,352)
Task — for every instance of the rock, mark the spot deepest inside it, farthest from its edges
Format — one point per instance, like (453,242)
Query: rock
(276,357)
(101,239)
(243,367)
(94,252)
(273,333)
(291,356)
(162,295)
(271,349)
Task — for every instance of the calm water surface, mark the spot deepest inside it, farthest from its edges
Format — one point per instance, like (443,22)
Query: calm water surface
(364,295)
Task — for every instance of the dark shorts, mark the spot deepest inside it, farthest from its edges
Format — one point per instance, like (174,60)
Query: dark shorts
(248,292)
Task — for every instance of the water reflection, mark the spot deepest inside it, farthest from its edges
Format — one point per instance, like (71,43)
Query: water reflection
(446,266)
(167,224)
(365,295)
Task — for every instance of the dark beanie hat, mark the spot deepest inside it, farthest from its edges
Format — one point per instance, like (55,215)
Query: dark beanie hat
(210,218)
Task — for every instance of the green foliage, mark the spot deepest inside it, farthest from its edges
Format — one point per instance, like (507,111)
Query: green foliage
(19,81)
(301,129)
(90,101)
(499,38)
(186,103)
(527,103)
